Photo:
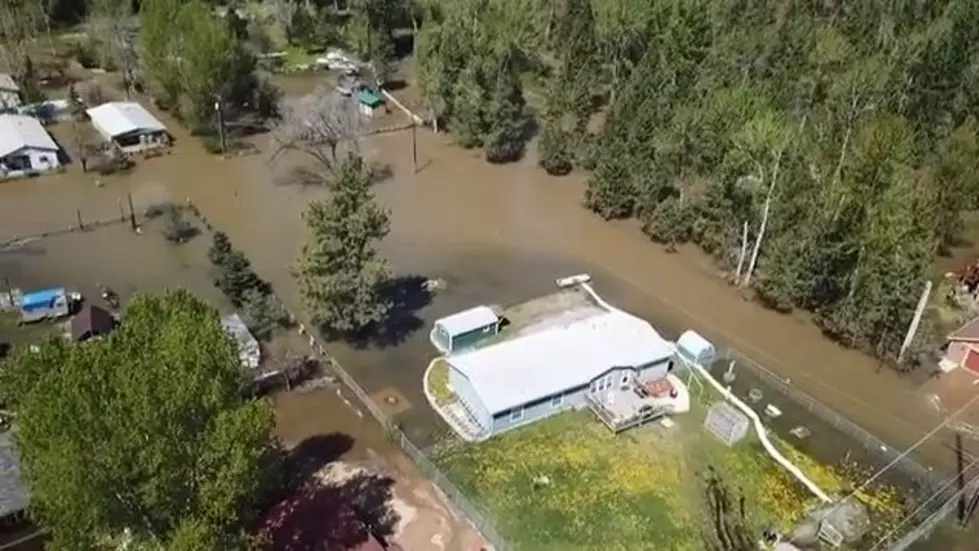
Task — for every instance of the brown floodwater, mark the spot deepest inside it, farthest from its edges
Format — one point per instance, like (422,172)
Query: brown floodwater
(495,234)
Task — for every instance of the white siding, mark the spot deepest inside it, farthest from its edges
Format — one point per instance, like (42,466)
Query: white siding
(41,161)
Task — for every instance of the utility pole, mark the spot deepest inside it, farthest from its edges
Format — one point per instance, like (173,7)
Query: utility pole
(220,115)
(915,321)
(414,149)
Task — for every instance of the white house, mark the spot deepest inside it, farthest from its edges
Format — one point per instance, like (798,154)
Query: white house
(26,148)
(129,126)
(9,92)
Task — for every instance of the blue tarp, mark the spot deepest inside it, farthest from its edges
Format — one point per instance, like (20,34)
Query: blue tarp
(44,298)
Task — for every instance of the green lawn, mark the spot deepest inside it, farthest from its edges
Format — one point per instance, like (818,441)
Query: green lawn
(438,383)
(611,492)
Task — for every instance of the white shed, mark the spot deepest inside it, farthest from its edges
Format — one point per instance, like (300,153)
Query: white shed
(9,92)
(695,348)
(129,126)
(26,148)
(249,351)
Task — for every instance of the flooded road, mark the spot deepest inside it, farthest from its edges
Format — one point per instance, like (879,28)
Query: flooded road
(496,234)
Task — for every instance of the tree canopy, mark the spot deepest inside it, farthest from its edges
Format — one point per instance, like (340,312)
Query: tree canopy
(146,431)
(842,134)
(340,271)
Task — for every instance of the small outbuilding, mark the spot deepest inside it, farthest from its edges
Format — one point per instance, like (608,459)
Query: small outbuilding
(464,330)
(249,351)
(91,322)
(9,93)
(26,148)
(368,102)
(44,304)
(129,126)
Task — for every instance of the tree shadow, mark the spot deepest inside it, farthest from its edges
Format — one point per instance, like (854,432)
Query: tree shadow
(317,515)
(406,295)
(314,453)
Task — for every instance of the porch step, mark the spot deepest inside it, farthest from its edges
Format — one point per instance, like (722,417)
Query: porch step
(464,420)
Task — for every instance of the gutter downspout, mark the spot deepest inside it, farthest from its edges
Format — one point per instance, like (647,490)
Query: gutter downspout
(730,397)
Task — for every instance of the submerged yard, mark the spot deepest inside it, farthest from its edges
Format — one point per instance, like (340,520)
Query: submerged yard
(569,483)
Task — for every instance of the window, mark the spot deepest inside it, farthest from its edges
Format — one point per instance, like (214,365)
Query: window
(516,414)
(625,379)
(557,400)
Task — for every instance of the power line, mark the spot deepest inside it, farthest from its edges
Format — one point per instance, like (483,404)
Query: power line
(911,448)
(917,510)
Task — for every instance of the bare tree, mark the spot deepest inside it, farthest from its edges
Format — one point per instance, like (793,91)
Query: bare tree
(320,126)
(19,27)
(111,22)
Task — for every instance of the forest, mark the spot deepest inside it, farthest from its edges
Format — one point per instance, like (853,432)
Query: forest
(825,153)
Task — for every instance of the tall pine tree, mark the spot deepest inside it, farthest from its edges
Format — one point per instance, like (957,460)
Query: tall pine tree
(340,272)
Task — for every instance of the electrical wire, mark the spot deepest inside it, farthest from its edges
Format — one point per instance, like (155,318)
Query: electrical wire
(917,510)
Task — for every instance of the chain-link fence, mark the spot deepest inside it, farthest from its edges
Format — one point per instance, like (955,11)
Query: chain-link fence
(425,465)
(453,495)
(941,496)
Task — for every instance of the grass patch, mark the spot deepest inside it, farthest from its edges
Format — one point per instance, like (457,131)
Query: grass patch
(438,383)
(297,56)
(611,492)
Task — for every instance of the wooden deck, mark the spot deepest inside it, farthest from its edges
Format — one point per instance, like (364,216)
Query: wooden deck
(622,409)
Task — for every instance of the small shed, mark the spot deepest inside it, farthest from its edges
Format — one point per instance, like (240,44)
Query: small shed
(368,102)
(696,349)
(249,351)
(43,304)
(463,330)
(91,322)
(9,92)
(129,126)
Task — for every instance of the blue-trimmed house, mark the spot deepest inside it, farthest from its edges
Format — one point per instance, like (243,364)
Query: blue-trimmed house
(530,377)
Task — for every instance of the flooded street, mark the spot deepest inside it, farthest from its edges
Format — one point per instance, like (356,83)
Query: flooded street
(495,234)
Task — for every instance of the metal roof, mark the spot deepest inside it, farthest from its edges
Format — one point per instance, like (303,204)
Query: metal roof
(118,118)
(13,494)
(7,82)
(249,350)
(468,320)
(18,132)
(43,296)
(549,362)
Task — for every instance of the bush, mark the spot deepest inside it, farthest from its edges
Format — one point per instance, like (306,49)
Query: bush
(211,143)
(84,54)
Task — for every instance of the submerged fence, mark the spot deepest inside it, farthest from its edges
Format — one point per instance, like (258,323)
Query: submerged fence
(942,495)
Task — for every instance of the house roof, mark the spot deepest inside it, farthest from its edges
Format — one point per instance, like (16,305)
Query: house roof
(249,350)
(43,296)
(548,362)
(468,320)
(118,118)
(13,494)
(18,132)
(968,332)
(7,82)
(90,321)
(369,98)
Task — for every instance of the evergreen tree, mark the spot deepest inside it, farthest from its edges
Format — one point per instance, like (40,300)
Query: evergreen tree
(340,271)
